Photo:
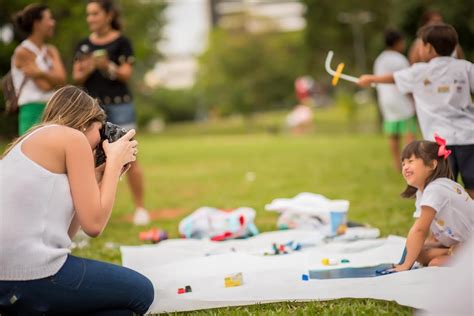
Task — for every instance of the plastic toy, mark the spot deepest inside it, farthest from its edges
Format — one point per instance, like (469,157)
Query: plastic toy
(233,280)
(154,235)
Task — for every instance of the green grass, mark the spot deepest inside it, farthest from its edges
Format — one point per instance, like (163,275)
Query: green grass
(327,308)
(192,165)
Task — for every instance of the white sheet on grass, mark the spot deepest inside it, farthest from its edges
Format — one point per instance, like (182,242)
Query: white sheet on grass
(203,264)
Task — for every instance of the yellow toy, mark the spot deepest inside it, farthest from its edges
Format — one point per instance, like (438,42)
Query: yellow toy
(233,280)
(338,73)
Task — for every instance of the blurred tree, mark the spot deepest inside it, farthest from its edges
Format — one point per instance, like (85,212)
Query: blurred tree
(142,21)
(334,25)
(460,14)
(329,27)
(247,71)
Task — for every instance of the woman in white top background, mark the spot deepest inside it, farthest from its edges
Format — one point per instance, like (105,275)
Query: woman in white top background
(49,187)
(36,67)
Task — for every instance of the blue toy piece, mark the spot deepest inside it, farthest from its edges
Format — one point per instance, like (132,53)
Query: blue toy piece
(385,271)
(305,277)
(390,270)
(360,272)
(347,273)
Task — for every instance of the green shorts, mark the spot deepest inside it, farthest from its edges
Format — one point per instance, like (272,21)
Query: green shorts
(29,115)
(400,127)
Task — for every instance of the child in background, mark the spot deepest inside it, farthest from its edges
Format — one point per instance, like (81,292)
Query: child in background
(442,88)
(300,119)
(398,110)
(442,205)
(429,18)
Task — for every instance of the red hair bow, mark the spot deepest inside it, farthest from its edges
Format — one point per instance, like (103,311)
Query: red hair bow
(442,151)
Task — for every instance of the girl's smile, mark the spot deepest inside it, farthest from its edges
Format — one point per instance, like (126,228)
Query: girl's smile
(416,172)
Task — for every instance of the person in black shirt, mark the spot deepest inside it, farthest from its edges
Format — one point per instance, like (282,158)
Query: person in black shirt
(103,65)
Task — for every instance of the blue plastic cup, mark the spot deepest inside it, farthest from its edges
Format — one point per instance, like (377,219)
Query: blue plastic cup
(339,216)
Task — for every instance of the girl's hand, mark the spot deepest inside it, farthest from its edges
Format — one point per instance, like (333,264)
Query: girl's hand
(396,268)
(123,150)
(364,81)
(400,268)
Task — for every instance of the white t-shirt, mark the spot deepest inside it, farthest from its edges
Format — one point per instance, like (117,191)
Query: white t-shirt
(395,106)
(454,208)
(442,90)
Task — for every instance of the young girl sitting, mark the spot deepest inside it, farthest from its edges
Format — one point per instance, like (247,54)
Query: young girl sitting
(442,205)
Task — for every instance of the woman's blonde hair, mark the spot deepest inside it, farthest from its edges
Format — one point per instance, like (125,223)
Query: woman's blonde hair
(69,106)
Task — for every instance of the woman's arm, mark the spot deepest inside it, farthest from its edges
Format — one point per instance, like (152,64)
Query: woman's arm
(123,72)
(57,75)
(46,81)
(74,227)
(25,61)
(93,202)
(416,237)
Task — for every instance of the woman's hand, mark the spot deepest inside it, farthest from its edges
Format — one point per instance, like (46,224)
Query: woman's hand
(122,151)
(86,65)
(101,62)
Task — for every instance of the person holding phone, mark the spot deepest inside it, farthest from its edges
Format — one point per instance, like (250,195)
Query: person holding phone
(103,66)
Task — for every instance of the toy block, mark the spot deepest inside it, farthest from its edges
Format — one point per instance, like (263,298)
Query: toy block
(329,262)
(233,280)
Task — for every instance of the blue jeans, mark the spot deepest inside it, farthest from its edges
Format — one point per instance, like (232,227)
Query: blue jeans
(81,286)
(121,114)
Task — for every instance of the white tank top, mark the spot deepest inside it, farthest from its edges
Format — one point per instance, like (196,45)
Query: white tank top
(31,92)
(36,210)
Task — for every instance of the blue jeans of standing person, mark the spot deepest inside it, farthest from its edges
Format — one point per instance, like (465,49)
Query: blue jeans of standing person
(80,287)
(122,114)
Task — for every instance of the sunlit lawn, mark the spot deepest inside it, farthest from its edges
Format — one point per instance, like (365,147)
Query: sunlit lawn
(192,165)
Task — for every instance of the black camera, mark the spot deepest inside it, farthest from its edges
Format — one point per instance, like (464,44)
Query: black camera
(111,132)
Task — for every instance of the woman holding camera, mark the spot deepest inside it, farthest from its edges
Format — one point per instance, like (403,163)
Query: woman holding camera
(103,65)
(49,189)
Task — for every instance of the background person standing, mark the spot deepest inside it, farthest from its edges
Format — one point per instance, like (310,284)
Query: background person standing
(398,110)
(103,65)
(36,67)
